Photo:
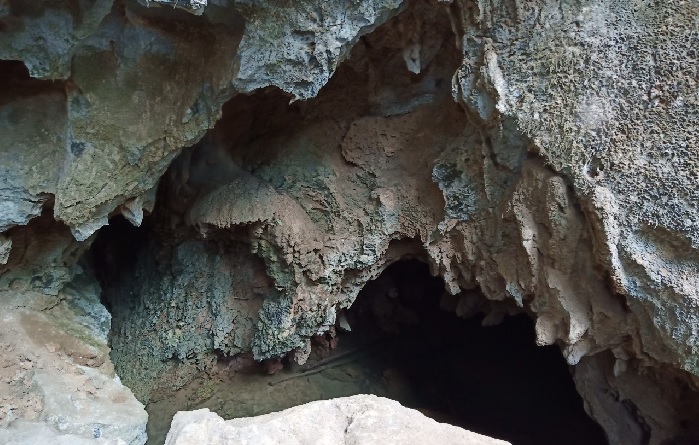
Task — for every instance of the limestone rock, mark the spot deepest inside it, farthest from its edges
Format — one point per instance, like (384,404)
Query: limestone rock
(28,105)
(43,257)
(297,46)
(5,247)
(381,166)
(27,27)
(57,383)
(129,107)
(193,6)
(360,420)
(563,183)
(621,135)
(200,298)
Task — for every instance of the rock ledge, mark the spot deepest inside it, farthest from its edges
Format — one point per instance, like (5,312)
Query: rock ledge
(356,420)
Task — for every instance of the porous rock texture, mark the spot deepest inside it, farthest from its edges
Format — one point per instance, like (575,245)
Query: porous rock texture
(543,151)
(357,420)
(57,383)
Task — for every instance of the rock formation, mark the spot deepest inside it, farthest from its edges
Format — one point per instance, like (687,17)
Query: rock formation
(359,420)
(57,384)
(279,155)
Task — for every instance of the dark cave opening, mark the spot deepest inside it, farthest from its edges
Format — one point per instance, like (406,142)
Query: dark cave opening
(405,343)
(16,82)
(115,251)
(492,380)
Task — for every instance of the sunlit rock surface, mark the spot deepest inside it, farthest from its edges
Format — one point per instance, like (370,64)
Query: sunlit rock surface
(360,420)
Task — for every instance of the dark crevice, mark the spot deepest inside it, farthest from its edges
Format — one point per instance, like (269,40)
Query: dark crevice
(492,380)
(114,253)
(16,83)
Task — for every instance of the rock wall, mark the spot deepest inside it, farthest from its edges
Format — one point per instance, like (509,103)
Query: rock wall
(57,382)
(288,152)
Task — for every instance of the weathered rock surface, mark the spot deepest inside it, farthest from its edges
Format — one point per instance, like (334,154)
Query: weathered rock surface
(358,420)
(320,214)
(563,184)
(145,82)
(57,384)
(614,107)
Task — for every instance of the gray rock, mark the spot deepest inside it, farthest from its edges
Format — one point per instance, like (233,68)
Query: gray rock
(297,46)
(193,6)
(621,135)
(57,382)
(359,420)
(112,152)
(5,247)
(27,179)
(44,34)
(564,185)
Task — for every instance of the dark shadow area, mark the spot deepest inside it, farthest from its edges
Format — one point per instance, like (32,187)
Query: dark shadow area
(403,346)
(114,253)
(15,82)
(13,70)
(492,380)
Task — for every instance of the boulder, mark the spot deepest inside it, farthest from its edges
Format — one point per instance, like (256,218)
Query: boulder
(356,420)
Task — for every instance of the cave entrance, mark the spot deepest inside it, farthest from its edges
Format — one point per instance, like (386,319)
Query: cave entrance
(493,380)
(402,340)
(115,253)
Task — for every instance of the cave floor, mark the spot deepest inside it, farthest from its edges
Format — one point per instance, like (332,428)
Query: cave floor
(493,381)
(352,368)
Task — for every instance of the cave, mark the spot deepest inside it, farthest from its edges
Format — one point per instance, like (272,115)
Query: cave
(114,253)
(483,374)
(199,291)
(401,338)
(482,210)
